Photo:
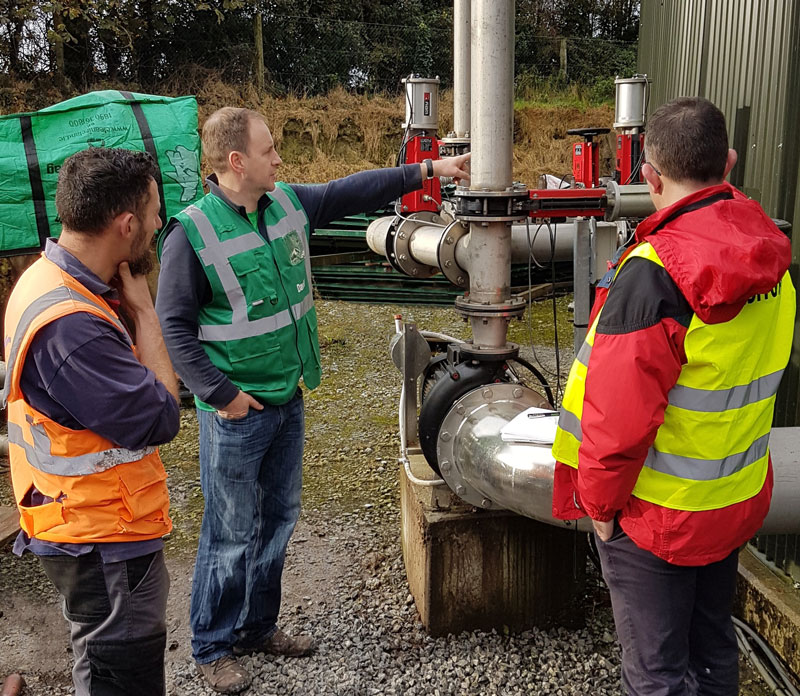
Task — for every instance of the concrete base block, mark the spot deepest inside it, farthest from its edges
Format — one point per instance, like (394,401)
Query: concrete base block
(771,606)
(476,569)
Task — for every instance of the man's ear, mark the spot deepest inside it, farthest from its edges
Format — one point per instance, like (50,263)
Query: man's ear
(123,223)
(653,180)
(733,158)
(235,162)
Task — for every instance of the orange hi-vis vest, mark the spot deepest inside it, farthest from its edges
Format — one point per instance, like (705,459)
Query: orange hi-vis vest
(100,492)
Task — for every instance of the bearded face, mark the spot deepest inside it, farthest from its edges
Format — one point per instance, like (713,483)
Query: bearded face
(142,259)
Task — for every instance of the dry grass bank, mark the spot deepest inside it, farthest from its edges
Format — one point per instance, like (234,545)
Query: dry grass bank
(330,136)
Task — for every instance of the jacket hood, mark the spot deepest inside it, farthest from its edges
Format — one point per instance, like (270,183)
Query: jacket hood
(720,248)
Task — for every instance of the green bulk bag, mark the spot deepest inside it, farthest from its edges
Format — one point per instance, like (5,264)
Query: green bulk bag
(34,145)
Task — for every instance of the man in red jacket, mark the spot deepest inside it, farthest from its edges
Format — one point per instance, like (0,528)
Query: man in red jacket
(664,428)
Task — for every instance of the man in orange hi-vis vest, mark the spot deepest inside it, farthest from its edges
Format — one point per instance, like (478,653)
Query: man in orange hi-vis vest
(86,409)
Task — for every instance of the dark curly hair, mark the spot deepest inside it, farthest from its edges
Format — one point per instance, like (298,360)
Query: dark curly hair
(96,185)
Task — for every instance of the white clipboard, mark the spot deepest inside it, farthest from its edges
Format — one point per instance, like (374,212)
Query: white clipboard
(535,426)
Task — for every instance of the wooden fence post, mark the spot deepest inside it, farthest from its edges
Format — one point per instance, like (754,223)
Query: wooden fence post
(258,38)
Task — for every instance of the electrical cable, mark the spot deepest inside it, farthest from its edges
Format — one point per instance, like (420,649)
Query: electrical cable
(772,672)
(547,390)
(555,309)
(532,259)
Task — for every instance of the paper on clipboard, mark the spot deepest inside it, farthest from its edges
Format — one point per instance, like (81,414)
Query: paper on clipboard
(535,426)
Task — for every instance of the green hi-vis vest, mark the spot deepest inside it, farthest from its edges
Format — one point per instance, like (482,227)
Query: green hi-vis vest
(712,450)
(260,327)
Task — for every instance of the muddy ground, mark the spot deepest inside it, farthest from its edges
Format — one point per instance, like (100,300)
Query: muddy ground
(348,534)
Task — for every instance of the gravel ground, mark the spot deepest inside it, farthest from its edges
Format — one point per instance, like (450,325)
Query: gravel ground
(344,580)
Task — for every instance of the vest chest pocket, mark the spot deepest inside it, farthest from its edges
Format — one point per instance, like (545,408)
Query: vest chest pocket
(255,272)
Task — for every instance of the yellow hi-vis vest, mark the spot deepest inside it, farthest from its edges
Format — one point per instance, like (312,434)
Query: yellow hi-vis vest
(712,450)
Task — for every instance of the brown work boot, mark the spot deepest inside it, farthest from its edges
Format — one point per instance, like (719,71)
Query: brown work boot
(280,643)
(226,675)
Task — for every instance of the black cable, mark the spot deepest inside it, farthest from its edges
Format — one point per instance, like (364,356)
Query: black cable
(528,366)
(555,308)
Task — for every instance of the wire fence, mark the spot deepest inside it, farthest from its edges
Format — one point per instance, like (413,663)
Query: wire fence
(302,54)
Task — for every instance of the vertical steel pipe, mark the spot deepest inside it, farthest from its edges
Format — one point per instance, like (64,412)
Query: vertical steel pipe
(461,68)
(492,119)
(492,81)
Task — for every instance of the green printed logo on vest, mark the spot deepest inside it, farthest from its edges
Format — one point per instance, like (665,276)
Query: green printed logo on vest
(295,248)
(767,295)
(186,172)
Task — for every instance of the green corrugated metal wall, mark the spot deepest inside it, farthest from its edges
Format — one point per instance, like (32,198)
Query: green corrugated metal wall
(744,55)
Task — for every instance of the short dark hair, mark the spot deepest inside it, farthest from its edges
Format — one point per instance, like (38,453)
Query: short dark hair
(96,185)
(688,140)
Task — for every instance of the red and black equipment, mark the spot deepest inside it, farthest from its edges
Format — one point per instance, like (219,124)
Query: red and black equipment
(630,147)
(419,148)
(586,156)
(420,141)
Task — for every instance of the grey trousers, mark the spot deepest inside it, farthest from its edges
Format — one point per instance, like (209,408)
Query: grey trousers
(673,622)
(117,618)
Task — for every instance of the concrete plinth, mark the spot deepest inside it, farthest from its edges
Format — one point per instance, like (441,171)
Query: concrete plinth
(477,569)
(771,606)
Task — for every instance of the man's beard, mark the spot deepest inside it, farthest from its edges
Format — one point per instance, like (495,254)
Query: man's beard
(144,263)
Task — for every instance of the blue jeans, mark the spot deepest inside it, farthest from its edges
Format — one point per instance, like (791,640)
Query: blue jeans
(251,475)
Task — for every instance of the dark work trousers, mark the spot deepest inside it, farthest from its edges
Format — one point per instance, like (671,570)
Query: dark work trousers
(117,618)
(673,622)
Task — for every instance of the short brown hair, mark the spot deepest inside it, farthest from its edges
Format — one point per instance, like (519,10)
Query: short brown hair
(225,131)
(96,185)
(688,140)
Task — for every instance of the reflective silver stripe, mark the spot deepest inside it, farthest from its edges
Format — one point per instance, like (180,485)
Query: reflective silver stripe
(706,469)
(293,220)
(216,254)
(37,307)
(40,458)
(303,307)
(717,400)
(584,353)
(248,329)
(571,424)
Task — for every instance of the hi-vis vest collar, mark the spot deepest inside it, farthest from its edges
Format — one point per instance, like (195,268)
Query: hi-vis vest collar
(217,252)
(712,449)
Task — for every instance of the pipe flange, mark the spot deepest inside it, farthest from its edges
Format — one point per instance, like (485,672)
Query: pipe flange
(492,206)
(507,352)
(398,244)
(476,400)
(450,147)
(514,307)
(446,254)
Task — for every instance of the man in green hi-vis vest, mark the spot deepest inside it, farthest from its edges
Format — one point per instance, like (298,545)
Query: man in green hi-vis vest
(236,308)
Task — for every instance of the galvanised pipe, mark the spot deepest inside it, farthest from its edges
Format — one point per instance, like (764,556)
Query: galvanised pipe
(492,88)
(461,68)
(492,119)
(425,241)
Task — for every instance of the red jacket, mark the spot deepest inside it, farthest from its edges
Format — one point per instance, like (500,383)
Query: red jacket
(719,249)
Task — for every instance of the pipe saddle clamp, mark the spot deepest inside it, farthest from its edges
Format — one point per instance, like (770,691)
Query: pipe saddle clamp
(492,206)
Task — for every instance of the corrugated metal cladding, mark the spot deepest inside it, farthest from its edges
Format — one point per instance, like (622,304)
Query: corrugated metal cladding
(744,55)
